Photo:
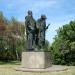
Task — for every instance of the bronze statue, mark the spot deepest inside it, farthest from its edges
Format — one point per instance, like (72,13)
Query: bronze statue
(41,28)
(35,32)
(30,30)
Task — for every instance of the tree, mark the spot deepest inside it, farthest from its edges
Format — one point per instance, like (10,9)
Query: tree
(63,49)
(11,38)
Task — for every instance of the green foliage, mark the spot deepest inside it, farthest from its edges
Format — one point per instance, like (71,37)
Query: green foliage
(12,39)
(63,48)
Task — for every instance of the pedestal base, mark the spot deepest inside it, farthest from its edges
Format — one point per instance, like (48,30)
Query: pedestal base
(54,68)
(36,60)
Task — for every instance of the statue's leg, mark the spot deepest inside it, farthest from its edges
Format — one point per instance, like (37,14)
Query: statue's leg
(29,42)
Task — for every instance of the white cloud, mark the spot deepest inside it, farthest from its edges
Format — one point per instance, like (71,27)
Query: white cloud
(39,5)
(35,6)
(10,6)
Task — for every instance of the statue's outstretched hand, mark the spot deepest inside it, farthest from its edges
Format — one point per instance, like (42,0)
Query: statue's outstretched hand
(47,26)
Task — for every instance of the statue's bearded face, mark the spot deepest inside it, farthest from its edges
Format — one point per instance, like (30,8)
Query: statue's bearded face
(43,18)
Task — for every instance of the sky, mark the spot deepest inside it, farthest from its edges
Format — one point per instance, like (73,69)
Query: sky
(58,12)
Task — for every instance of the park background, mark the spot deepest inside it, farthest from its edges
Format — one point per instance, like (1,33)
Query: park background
(60,37)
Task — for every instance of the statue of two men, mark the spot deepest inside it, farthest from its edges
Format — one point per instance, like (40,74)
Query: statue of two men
(35,31)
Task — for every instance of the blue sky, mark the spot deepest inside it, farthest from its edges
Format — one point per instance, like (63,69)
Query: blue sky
(58,12)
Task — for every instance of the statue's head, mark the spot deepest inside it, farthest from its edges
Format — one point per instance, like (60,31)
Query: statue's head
(43,17)
(29,12)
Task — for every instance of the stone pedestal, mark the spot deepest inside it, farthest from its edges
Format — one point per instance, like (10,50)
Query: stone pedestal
(36,60)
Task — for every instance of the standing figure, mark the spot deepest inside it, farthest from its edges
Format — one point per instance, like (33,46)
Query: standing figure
(30,31)
(41,28)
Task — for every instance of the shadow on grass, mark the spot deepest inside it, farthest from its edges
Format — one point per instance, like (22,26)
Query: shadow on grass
(10,62)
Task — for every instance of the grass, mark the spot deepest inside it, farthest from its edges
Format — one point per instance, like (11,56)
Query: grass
(8,69)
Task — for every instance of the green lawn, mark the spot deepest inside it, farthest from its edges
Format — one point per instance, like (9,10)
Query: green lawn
(8,69)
